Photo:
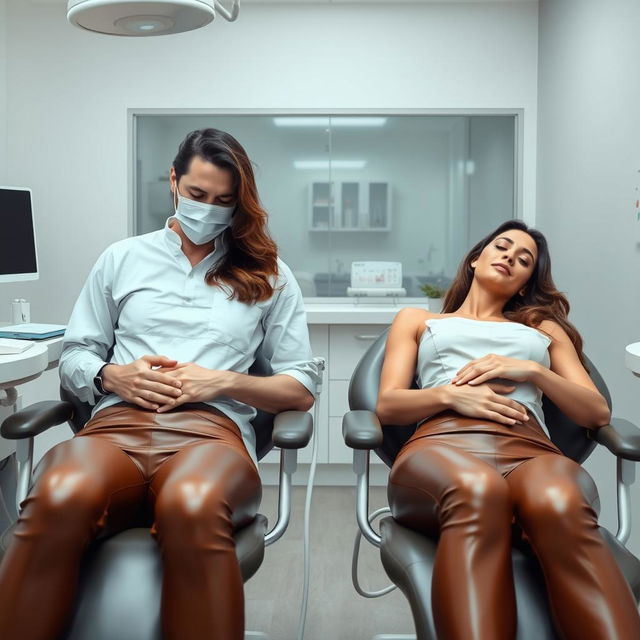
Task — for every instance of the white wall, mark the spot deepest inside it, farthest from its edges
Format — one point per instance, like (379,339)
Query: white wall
(3,92)
(69,91)
(588,168)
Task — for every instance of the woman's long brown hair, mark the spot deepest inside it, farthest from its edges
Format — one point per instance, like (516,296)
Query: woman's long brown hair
(541,300)
(251,260)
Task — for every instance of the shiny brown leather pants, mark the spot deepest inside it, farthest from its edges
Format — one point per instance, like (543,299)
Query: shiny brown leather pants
(469,480)
(188,469)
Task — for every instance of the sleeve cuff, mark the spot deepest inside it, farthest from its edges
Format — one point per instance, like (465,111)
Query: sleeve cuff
(303,378)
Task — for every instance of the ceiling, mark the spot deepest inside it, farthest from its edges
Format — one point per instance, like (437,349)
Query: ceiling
(227,3)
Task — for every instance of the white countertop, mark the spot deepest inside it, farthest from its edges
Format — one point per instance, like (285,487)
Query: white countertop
(364,311)
(18,368)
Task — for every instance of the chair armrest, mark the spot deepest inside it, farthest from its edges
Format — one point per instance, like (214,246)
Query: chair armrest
(361,429)
(292,429)
(621,437)
(35,419)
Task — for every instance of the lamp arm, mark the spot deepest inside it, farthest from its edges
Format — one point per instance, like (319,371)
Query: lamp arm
(229,16)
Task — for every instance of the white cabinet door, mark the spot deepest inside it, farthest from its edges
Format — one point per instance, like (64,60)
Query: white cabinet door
(319,338)
(339,453)
(347,344)
(338,398)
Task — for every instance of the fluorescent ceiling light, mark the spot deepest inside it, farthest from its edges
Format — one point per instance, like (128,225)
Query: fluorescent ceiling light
(329,164)
(325,121)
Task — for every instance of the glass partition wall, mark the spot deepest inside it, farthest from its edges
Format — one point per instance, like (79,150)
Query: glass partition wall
(414,189)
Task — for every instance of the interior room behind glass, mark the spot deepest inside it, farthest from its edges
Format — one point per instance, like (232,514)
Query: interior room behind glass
(415,189)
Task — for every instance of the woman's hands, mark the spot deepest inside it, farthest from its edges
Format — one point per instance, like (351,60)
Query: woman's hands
(472,394)
(485,401)
(494,366)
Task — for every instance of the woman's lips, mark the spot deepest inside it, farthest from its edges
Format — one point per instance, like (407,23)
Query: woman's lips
(501,269)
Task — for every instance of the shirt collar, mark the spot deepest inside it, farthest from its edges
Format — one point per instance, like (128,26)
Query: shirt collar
(174,242)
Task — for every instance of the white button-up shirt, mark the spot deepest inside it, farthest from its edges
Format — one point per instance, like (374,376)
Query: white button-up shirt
(142,296)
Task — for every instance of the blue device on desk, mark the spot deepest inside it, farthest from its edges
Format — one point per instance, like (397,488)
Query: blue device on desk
(32,331)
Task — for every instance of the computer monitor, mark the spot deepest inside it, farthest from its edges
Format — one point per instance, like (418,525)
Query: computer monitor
(18,254)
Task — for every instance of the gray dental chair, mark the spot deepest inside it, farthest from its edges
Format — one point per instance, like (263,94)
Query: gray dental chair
(408,556)
(120,585)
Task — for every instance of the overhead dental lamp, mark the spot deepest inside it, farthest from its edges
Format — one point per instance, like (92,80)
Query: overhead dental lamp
(146,17)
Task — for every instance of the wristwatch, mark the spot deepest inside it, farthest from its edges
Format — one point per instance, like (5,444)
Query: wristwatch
(97,381)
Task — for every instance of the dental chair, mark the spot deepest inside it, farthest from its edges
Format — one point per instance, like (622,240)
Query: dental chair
(121,579)
(408,556)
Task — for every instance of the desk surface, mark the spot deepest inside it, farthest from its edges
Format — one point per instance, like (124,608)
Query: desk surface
(18,368)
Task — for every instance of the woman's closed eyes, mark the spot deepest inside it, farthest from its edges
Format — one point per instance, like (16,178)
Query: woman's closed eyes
(522,261)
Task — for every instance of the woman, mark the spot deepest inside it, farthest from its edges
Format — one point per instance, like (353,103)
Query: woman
(482,458)
(171,435)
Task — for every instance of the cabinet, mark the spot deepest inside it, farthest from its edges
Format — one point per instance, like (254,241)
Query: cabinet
(347,344)
(350,206)
(319,338)
(342,346)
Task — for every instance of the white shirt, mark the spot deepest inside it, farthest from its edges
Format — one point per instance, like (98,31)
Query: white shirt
(449,343)
(142,297)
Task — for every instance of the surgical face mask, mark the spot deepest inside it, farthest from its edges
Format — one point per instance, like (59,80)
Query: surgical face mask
(201,222)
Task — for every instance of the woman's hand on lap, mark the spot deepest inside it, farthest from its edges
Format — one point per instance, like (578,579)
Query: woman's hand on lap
(494,366)
(486,401)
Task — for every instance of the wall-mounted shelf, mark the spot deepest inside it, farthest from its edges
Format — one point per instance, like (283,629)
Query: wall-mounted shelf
(350,206)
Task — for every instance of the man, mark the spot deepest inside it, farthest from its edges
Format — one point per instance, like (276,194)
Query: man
(181,312)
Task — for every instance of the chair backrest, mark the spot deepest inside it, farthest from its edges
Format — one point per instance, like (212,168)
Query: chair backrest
(572,439)
(262,423)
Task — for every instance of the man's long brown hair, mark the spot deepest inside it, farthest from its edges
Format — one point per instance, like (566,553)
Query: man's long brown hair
(541,300)
(251,260)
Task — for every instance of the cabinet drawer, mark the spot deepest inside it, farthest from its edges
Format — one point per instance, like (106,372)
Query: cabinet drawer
(347,344)
(319,339)
(338,398)
(339,453)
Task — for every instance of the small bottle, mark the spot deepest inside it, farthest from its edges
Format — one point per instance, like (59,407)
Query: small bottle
(348,214)
(20,311)
(364,221)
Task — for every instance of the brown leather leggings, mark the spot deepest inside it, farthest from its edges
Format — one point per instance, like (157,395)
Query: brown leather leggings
(188,468)
(468,480)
